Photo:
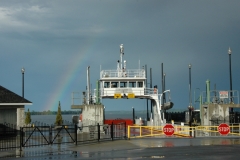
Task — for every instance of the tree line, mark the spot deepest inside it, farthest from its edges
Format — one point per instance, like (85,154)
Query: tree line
(53,112)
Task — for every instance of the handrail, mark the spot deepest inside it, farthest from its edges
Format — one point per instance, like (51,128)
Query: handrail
(216,97)
(130,73)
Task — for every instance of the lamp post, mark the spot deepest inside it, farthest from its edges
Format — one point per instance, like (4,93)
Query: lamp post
(103,114)
(151,87)
(164,86)
(230,72)
(146,87)
(164,98)
(23,70)
(190,99)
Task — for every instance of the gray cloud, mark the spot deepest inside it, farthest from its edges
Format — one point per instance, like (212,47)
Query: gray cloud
(46,37)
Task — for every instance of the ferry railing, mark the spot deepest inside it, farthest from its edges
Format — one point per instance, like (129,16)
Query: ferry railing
(217,96)
(136,91)
(110,92)
(76,98)
(130,73)
(151,91)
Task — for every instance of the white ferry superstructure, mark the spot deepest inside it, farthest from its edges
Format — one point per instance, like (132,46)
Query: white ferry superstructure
(130,83)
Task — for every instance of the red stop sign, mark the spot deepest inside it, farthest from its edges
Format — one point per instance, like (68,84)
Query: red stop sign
(168,129)
(223,129)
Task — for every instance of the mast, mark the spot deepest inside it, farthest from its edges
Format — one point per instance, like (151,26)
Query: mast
(88,85)
(121,54)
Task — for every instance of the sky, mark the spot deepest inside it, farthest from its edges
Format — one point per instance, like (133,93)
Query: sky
(55,41)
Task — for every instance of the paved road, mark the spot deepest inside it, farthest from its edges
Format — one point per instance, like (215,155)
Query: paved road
(146,148)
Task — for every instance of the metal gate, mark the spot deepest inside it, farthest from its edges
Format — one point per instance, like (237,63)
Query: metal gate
(9,138)
(62,134)
(35,136)
(46,135)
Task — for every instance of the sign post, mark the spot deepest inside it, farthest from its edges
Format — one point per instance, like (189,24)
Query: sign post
(168,130)
(223,129)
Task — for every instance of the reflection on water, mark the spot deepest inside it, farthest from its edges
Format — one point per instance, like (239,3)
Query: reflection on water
(60,151)
(220,141)
(175,142)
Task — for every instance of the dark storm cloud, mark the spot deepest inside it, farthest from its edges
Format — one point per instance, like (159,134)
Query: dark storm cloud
(46,37)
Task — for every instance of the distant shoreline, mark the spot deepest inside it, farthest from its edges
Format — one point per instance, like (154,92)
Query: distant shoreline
(70,112)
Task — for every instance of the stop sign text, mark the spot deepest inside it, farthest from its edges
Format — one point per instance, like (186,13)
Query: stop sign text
(223,129)
(168,130)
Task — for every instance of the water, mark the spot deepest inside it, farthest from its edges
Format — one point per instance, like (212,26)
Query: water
(50,119)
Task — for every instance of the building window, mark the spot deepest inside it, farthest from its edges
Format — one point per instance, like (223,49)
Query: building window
(132,84)
(114,85)
(140,84)
(106,84)
(123,84)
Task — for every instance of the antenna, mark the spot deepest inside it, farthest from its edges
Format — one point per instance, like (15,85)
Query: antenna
(121,54)
(139,64)
(88,83)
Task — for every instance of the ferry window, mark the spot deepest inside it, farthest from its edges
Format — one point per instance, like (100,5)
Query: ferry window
(106,84)
(123,84)
(114,84)
(132,84)
(140,84)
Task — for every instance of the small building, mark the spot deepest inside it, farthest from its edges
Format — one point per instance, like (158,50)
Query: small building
(216,106)
(12,108)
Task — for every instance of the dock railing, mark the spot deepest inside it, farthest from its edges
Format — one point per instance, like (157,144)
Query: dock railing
(130,73)
(221,97)
(181,131)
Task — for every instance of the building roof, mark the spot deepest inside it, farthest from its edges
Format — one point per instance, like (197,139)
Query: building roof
(8,97)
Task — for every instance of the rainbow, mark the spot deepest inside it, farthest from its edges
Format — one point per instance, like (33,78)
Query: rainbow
(66,79)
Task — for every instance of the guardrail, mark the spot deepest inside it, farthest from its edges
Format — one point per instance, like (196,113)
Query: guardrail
(181,131)
(150,131)
(212,131)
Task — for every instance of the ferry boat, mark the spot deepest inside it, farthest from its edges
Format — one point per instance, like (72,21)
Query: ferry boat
(127,83)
